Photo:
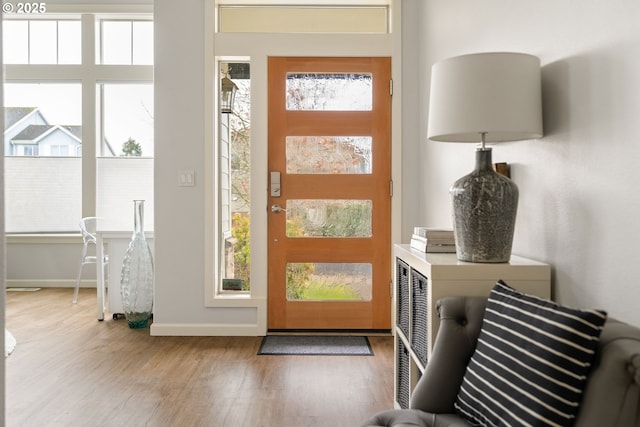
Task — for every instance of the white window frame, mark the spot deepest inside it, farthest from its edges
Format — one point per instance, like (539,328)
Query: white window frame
(57,149)
(225,222)
(214,295)
(33,148)
(129,19)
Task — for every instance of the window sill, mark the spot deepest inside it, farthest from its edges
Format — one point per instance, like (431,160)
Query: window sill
(43,238)
(231,300)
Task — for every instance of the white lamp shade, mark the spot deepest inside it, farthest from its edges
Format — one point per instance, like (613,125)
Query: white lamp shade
(496,93)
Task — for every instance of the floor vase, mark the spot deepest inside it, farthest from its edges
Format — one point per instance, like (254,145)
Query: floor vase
(136,281)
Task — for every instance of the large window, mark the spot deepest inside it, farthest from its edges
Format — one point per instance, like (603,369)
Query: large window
(125,155)
(78,131)
(43,173)
(127,119)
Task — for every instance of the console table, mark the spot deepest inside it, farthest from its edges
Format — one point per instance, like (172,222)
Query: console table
(421,279)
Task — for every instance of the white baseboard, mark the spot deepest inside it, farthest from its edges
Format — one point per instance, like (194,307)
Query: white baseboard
(49,283)
(206,330)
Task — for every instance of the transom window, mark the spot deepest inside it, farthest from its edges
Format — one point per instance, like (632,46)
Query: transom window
(356,18)
(125,42)
(41,41)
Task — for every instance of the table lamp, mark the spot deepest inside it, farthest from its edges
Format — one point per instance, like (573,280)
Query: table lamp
(485,98)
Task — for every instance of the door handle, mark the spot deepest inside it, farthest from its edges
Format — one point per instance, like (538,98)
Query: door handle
(277,208)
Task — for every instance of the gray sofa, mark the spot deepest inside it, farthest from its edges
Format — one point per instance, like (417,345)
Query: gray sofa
(611,397)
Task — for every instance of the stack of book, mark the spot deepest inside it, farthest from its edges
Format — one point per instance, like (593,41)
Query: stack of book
(427,239)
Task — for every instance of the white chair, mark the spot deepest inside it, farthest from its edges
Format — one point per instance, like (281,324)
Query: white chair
(88,228)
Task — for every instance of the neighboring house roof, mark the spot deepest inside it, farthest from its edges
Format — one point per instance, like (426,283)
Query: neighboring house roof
(13,115)
(76,131)
(34,133)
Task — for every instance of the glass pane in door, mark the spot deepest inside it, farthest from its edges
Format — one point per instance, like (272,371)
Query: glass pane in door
(329,218)
(317,281)
(329,92)
(329,154)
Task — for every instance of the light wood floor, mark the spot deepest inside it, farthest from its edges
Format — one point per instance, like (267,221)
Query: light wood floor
(68,369)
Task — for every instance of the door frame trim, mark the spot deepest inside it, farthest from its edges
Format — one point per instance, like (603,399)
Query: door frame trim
(256,48)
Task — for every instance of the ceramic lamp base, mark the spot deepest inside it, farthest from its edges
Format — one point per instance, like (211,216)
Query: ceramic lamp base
(484,213)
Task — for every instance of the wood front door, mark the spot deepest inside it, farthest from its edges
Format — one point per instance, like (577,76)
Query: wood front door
(329,193)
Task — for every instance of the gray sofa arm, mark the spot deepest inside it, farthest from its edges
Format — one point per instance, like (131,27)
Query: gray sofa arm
(612,393)
(460,323)
(611,397)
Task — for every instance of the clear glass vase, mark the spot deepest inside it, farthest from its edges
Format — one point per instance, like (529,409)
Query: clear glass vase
(136,280)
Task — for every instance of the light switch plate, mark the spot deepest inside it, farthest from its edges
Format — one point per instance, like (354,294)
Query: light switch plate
(186,178)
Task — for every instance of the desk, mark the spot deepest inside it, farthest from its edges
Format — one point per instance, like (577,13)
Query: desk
(116,243)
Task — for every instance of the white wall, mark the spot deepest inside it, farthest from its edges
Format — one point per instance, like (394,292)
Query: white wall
(179,145)
(412,117)
(578,202)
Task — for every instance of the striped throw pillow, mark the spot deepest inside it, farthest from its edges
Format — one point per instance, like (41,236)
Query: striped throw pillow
(531,361)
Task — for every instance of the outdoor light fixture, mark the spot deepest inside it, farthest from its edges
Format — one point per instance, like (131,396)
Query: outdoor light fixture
(485,98)
(227,95)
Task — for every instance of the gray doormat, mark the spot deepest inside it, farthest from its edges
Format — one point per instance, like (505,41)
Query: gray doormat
(315,345)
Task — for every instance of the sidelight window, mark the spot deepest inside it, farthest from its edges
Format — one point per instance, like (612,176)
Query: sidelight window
(234,178)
